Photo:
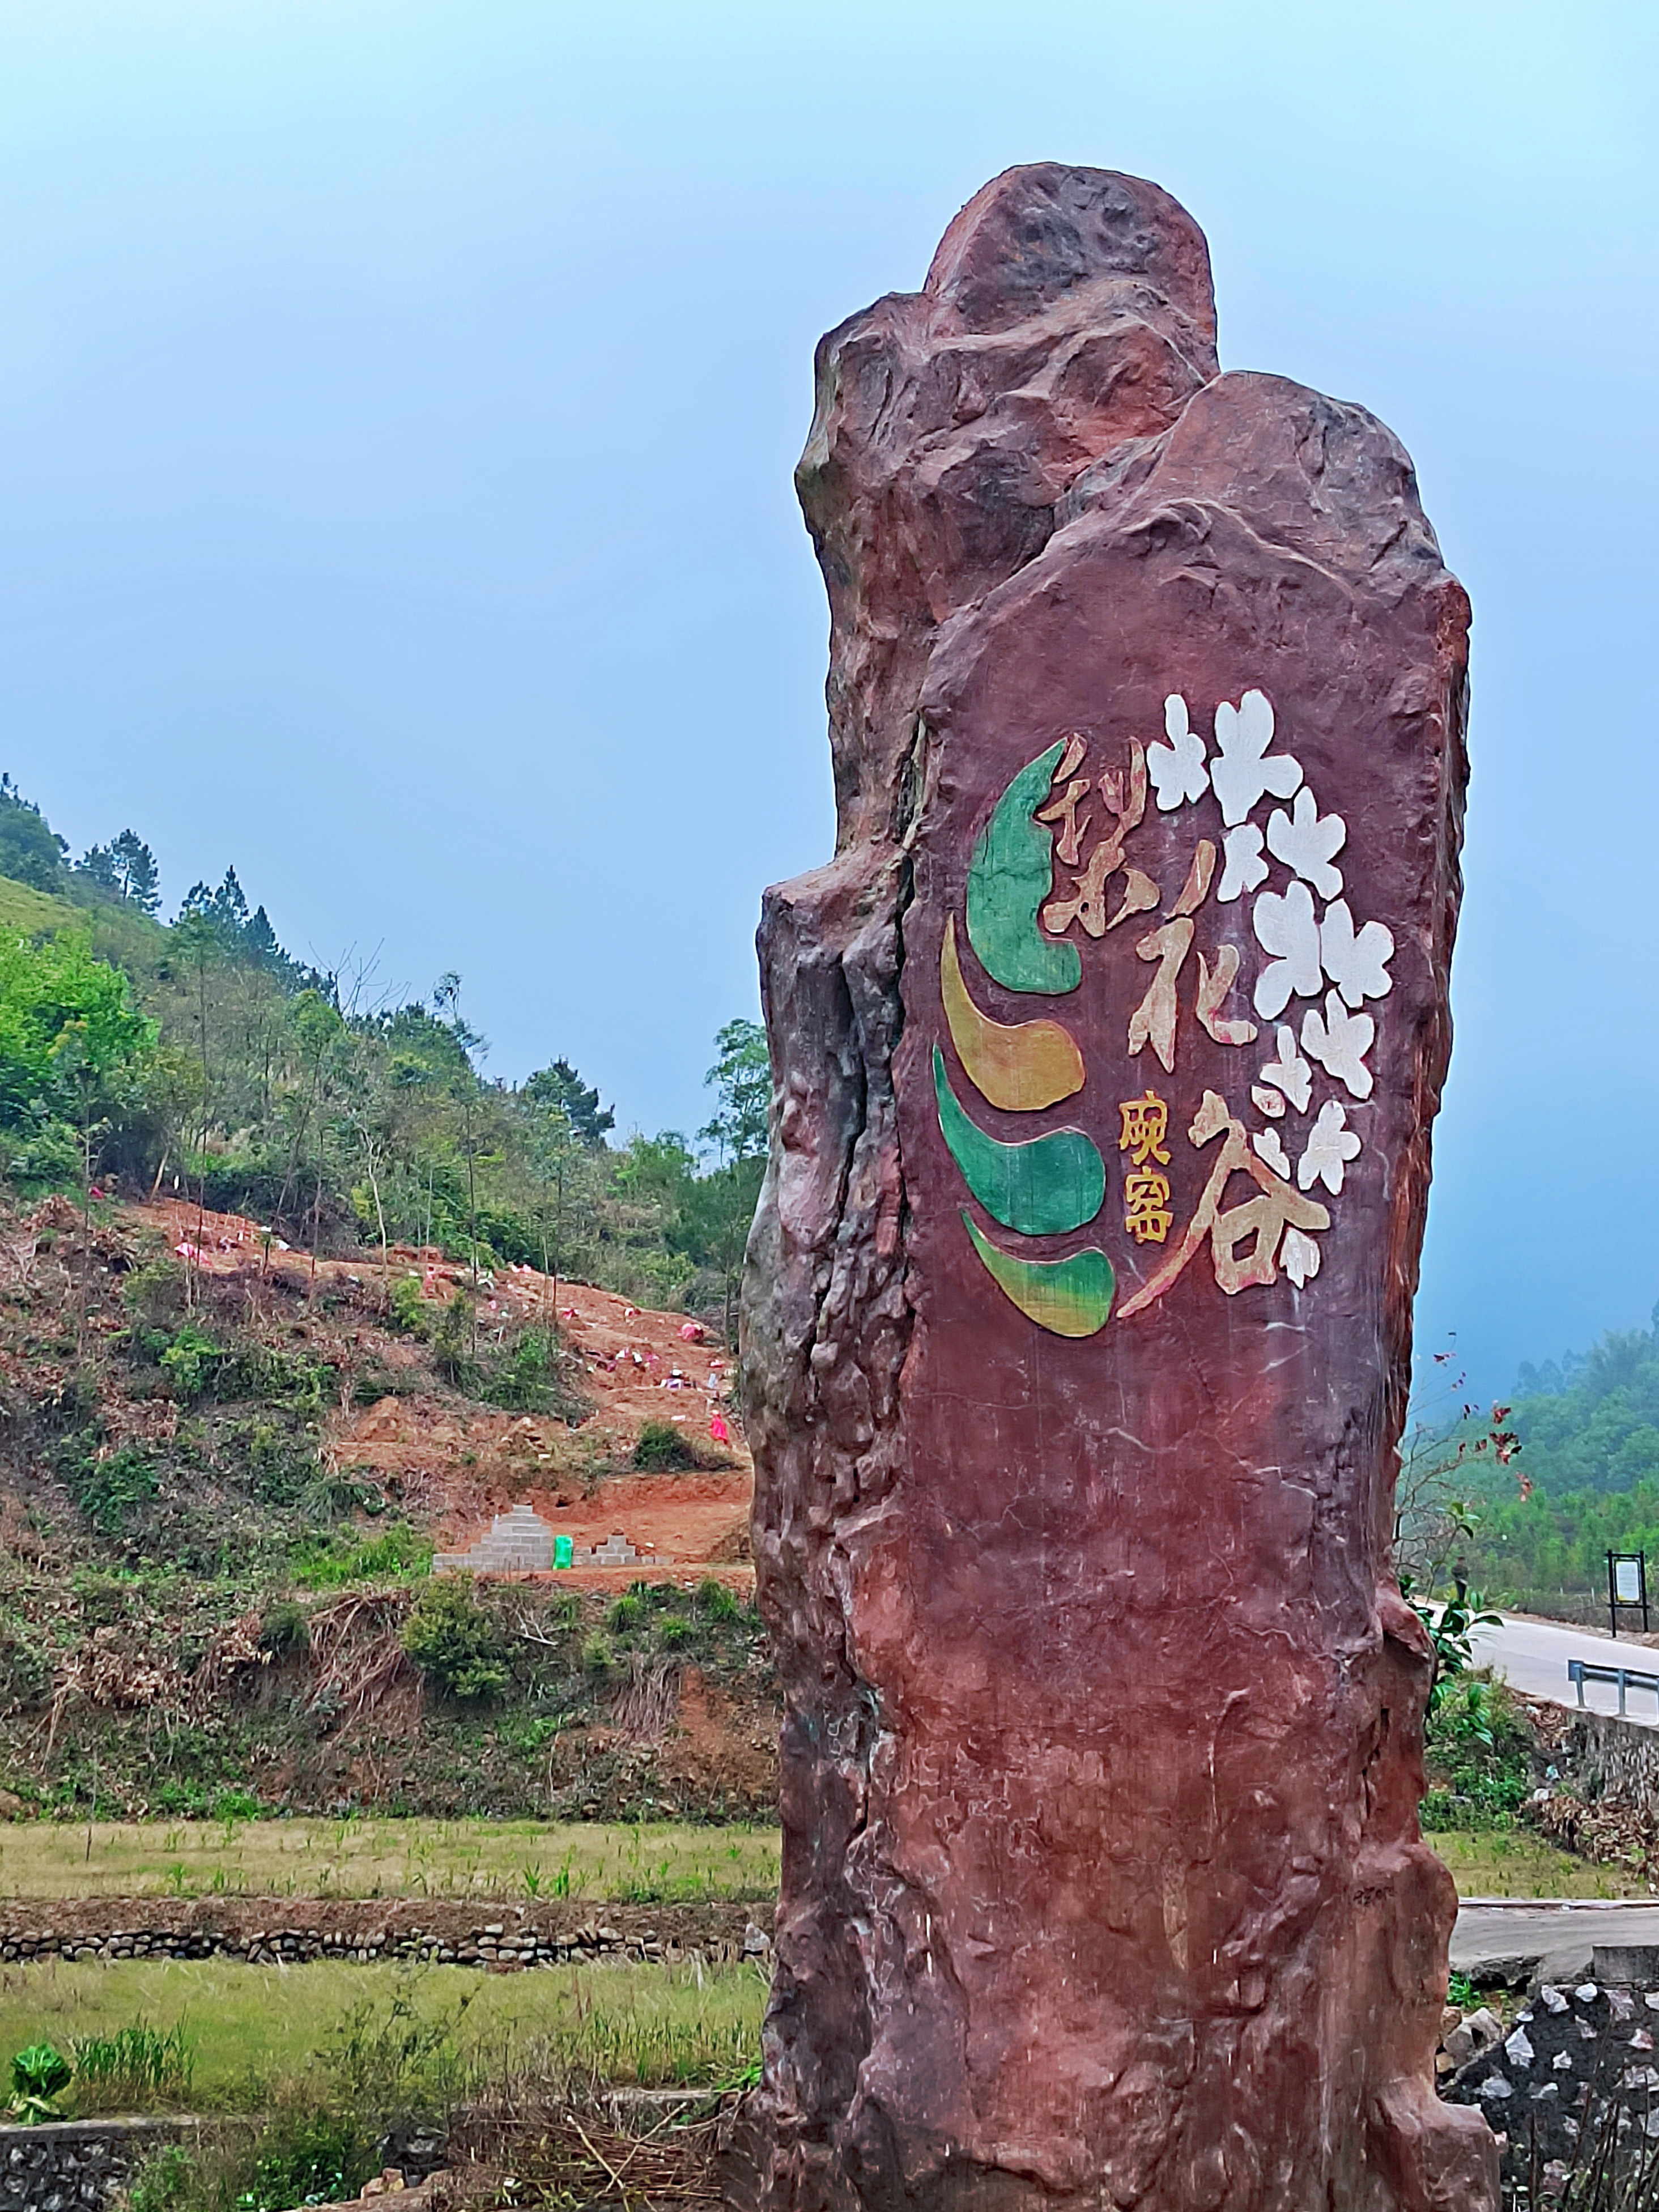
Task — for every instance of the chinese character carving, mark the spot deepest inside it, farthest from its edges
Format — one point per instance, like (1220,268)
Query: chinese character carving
(1153,1021)
(1065,809)
(1145,1122)
(1146,1214)
(1123,792)
(1146,1125)
(1244,1239)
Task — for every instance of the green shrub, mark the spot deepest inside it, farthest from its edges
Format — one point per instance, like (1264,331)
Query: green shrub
(532,1380)
(716,1600)
(624,1612)
(307,2155)
(408,1315)
(455,1640)
(400,1554)
(452,1339)
(192,1364)
(25,1668)
(163,2182)
(596,1656)
(235,1805)
(675,1633)
(662,1450)
(285,1630)
(1479,1757)
(112,1489)
(154,1294)
(281,1467)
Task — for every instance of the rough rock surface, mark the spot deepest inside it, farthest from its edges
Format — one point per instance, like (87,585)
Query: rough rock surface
(1077,1307)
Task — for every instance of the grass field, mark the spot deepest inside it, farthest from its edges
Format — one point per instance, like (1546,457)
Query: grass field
(253,2027)
(31,914)
(525,1860)
(1515,1863)
(522,1860)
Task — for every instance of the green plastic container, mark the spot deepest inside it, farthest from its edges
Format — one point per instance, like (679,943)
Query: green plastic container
(562,1551)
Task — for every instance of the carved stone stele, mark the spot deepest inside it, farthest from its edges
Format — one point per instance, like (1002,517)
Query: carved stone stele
(1077,1308)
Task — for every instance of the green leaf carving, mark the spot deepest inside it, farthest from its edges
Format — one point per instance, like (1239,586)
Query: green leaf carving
(1068,1298)
(1011,874)
(1042,1187)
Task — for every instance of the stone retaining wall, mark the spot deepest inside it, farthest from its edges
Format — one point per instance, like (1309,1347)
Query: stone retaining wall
(494,1943)
(264,1931)
(1606,1758)
(76,2163)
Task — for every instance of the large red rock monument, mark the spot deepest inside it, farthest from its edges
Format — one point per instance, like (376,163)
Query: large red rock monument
(1079,1306)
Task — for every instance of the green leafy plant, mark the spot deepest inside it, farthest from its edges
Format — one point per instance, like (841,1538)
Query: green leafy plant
(716,1600)
(307,2155)
(1479,1756)
(155,1295)
(231,1806)
(624,1612)
(456,1641)
(662,1450)
(452,1339)
(112,1487)
(1451,1624)
(191,1363)
(25,1668)
(408,1308)
(39,2076)
(163,2182)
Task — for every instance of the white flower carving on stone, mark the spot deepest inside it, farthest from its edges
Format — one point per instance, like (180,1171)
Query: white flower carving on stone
(1331,1144)
(1339,1042)
(1298,1255)
(1285,927)
(1357,961)
(1267,1145)
(1307,841)
(1241,774)
(1245,867)
(1290,1073)
(1177,770)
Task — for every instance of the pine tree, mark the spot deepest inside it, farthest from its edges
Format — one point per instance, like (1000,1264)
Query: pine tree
(97,864)
(138,877)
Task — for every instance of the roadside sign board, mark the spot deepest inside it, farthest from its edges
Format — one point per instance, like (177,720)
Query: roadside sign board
(1627,1586)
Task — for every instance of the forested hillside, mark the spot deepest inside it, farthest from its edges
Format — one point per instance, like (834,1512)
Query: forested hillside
(1584,1481)
(286,1303)
(200,1059)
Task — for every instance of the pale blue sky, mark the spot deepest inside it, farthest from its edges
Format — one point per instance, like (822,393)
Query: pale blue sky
(397,404)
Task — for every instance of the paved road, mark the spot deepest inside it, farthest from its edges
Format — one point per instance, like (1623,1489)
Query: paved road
(1562,1936)
(1533,1655)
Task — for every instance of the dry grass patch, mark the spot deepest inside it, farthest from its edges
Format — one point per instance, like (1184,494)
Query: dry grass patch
(1516,1863)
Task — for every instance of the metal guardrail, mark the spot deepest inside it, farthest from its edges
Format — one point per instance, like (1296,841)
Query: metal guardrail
(1580,1671)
